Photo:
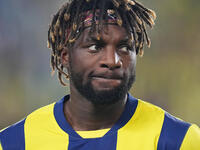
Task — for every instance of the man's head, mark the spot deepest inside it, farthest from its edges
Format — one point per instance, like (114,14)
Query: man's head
(97,42)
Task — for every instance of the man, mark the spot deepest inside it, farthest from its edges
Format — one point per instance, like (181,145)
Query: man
(94,44)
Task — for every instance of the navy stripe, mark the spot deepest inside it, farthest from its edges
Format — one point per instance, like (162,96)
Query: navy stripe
(104,143)
(60,117)
(125,117)
(172,133)
(12,138)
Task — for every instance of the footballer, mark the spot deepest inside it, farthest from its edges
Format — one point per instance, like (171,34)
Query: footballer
(94,44)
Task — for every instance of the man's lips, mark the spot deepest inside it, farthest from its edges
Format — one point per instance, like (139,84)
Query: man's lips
(106,80)
(107,76)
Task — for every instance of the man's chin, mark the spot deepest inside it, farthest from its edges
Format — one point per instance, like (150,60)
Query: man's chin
(105,96)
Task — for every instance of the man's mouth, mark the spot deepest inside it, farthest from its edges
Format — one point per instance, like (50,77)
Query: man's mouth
(106,80)
(107,76)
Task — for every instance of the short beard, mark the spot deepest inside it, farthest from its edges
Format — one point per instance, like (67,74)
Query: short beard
(106,97)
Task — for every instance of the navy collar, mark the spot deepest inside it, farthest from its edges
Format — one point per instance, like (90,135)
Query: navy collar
(128,112)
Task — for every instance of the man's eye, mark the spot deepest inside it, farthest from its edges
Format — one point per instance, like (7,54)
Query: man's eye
(94,47)
(125,49)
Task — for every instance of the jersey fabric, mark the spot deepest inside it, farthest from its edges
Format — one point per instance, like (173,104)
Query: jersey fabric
(142,126)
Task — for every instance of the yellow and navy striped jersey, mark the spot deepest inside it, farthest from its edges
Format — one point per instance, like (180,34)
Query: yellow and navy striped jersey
(142,126)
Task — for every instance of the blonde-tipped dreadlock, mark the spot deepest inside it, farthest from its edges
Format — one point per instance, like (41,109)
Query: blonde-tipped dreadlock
(130,14)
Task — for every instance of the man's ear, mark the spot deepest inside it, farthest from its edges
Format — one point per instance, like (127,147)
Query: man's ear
(65,57)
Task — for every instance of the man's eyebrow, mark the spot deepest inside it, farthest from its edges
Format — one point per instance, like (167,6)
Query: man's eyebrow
(125,41)
(94,39)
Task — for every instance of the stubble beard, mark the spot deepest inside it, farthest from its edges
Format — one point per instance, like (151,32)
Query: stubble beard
(103,97)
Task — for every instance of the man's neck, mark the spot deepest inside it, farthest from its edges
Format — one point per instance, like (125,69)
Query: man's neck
(82,115)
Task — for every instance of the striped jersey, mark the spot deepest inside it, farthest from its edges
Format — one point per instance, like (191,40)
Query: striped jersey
(142,126)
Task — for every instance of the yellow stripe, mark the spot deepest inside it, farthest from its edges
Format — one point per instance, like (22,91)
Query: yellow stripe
(42,131)
(1,147)
(143,130)
(192,139)
(93,134)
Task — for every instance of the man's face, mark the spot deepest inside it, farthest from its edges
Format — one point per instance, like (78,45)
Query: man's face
(103,70)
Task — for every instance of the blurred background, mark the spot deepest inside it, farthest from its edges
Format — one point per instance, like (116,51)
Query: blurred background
(168,75)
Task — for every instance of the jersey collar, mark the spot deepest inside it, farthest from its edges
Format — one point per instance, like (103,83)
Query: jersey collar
(128,112)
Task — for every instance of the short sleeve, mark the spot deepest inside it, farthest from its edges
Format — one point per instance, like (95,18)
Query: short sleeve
(192,139)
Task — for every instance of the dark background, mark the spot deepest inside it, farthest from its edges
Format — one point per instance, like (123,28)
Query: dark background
(168,75)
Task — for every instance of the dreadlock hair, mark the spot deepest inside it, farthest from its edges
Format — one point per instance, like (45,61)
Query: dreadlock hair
(130,14)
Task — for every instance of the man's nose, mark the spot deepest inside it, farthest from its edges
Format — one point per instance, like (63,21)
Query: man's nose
(110,59)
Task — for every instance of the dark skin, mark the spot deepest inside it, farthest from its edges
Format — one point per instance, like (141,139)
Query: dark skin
(109,60)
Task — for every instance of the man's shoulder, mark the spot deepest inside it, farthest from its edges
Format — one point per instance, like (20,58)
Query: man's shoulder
(169,122)
(175,133)
(13,135)
(148,109)
(151,109)
(178,134)
(42,112)
(192,139)
(38,113)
